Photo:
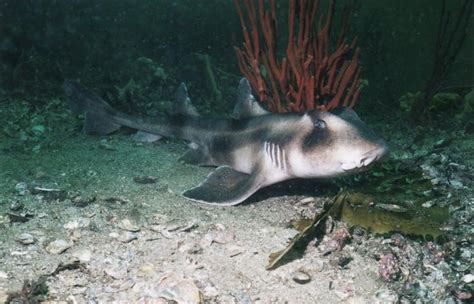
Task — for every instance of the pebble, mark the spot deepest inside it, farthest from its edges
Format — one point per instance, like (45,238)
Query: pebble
(127,237)
(173,288)
(301,277)
(147,270)
(116,272)
(428,204)
(127,225)
(468,278)
(391,208)
(124,237)
(466,254)
(386,296)
(58,246)
(25,239)
(84,255)
(307,200)
(145,179)
(80,222)
(16,205)
(22,188)
(3,275)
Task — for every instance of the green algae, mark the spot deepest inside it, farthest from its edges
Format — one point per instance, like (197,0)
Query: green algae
(400,201)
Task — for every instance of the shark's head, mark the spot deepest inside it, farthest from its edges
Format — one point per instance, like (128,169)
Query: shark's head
(336,144)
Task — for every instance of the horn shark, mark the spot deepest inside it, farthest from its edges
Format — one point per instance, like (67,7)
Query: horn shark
(253,149)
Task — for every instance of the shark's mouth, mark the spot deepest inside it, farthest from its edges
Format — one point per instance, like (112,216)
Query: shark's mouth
(365,159)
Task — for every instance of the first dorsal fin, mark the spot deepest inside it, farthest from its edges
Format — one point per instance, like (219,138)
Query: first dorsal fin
(246,105)
(183,103)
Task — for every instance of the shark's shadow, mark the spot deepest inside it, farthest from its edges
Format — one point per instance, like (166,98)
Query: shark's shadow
(295,187)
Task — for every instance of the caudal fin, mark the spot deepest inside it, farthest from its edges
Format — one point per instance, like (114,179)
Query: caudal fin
(98,113)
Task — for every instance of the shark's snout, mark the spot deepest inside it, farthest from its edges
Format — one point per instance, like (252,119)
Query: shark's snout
(373,155)
(366,158)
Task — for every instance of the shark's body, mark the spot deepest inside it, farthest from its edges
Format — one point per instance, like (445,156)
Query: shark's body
(253,150)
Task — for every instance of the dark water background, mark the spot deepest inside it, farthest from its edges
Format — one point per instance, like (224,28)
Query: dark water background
(43,42)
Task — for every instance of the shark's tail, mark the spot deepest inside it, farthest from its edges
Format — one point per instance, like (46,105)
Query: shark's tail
(99,115)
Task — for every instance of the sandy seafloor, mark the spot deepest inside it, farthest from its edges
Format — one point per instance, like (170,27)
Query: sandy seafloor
(222,251)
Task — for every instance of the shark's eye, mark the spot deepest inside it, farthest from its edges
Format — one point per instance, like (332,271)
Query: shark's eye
(320,124)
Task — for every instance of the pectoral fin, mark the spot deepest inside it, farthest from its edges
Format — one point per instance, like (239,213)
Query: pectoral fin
(225,187)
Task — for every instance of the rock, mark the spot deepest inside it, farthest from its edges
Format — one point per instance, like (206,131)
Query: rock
(127,225)
(3,275)
(22,188)
(146,270)
(391,208)
(235,251)
(145,179)
(16,205)
(468,278)
(144,137)
(191,248)
(127,237)
(218,234)
(4,295)
(159,218)
(58,246)
(25,239)
(174,288)
(306,200)
(124,237)
(388,267)
(386,296)
(428,204)
(84,255)
(301,277)
(80,222)
(116,272)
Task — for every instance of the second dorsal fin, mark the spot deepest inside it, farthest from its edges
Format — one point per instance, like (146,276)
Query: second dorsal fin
(183,103)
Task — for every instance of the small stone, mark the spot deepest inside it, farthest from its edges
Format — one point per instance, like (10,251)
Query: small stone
(235,251)
(146,270)
(3,275)
(173,288)
(468,278)
(463,295)
(306,200)
(127,236)
(84,255)
(58,246)
(211,291)
(114,235)
(16,205)
(116,272)
(127,225)
(301,277)
(190,248)
(388,267)
(428,204)
(159,218)
(466,254)
(104,145)
(391,208)
(81,222)
(386,296)
(144,180)
(456,184)
(224,237)
(25,239)
(22,188)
